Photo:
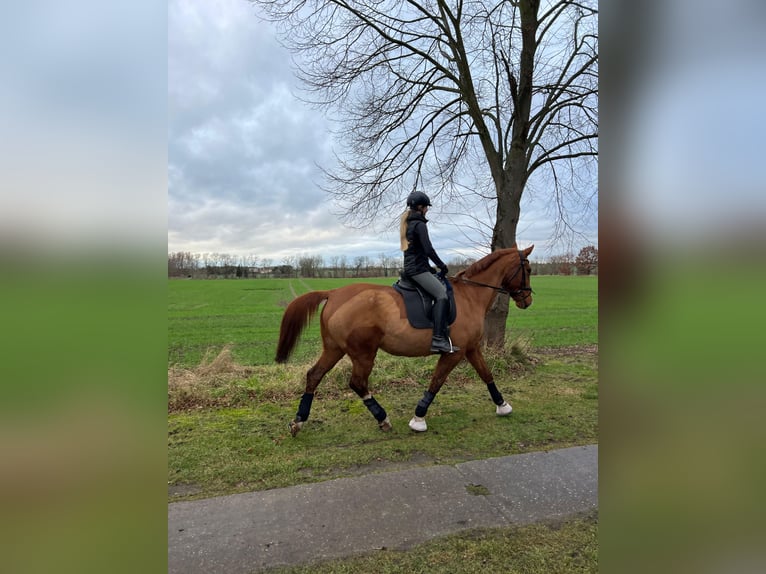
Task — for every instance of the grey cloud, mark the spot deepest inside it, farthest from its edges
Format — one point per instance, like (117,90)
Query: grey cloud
(243,151)
(240,146)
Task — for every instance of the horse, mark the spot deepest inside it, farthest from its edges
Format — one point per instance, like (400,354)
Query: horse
(359,319)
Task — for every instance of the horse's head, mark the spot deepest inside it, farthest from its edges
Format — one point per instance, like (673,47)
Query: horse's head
(509,267)
(517,280)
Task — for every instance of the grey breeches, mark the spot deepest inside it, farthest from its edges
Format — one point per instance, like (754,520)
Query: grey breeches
(430,283)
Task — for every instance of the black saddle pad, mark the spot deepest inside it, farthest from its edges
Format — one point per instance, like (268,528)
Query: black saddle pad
(419,304)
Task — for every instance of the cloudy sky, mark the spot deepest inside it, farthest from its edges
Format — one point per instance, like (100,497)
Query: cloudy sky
(243,153)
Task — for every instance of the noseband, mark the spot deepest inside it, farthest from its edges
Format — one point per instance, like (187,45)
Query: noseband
(516,292)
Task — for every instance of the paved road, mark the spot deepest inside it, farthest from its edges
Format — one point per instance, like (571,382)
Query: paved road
(245,533)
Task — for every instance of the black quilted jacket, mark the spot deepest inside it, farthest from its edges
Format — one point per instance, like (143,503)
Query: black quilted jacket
(420,249)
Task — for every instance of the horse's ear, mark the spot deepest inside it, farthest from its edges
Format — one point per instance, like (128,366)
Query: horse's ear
(529,249)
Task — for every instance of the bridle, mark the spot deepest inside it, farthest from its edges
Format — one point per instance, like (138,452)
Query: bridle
(516,292)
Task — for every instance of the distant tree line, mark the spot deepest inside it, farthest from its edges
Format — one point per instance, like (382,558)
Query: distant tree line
(585,263)
(183,264)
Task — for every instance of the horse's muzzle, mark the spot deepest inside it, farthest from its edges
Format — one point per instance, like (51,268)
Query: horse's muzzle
(524,303)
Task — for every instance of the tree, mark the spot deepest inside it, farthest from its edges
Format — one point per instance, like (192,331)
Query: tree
(310,265)
(343,265)
(562,264)
(182,264)
(334,264)
(306,266)
(388,263)
(289,266)
(587,260)
(359,262)
(427,89)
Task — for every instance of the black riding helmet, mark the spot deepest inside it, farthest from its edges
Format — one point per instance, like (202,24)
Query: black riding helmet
(417,198)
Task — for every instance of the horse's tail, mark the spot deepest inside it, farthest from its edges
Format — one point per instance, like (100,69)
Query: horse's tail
(297,315)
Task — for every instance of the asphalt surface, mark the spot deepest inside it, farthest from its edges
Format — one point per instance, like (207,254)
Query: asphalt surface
(245,533)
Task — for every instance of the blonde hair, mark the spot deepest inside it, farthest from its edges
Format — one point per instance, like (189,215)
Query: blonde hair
(403,243)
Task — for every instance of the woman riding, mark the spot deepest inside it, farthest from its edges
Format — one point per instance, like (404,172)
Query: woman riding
(417,249)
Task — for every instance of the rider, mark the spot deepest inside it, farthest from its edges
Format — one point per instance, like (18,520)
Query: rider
(417,251)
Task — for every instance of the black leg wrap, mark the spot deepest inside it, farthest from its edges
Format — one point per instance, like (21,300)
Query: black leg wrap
(304,408)
(377,411)
(424,403)
(497,398)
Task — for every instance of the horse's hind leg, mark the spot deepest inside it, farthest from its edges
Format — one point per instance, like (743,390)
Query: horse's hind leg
(476,359)
(327,361)
(360,374)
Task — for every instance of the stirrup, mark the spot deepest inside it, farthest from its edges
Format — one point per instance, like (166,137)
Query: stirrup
(443,345)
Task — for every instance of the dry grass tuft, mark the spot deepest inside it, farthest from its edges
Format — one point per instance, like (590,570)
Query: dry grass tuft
(222,366)
(520,351)
(219,381)
(516,356)
(190,388)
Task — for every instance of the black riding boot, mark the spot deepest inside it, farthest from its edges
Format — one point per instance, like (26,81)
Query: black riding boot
(440,343)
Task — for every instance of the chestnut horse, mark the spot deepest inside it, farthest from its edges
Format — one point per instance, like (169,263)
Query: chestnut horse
(361,318)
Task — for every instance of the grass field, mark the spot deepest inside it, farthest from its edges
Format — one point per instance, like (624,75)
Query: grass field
(244,444)
(228,410)
(206,316)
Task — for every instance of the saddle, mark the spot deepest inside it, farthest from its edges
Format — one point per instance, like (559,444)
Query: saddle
(419,304)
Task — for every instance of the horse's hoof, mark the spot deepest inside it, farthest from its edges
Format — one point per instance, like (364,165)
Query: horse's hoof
(295,427)
(504,409)
(418,424)
(386,425)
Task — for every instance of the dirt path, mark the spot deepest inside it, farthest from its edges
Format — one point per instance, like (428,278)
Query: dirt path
(304,285)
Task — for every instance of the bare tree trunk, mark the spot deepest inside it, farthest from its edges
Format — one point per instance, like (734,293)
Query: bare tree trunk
(511,180)
(494,322)
(503,236)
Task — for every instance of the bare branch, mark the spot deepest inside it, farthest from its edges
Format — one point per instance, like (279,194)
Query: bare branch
(435,93)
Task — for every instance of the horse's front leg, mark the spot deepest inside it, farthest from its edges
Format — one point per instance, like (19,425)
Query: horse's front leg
(476,359)
(444,367)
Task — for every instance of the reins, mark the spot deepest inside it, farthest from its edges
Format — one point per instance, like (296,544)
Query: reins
(495,287)
(513,293)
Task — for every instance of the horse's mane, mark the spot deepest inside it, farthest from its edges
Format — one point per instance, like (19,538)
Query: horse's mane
(483,263)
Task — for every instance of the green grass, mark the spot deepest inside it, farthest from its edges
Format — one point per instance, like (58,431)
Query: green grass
(245,445)
(206,316)
(564,547)
(564,312)
(243,315)
(227,427)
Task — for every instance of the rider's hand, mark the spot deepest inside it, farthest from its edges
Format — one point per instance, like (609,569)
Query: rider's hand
(444,271)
